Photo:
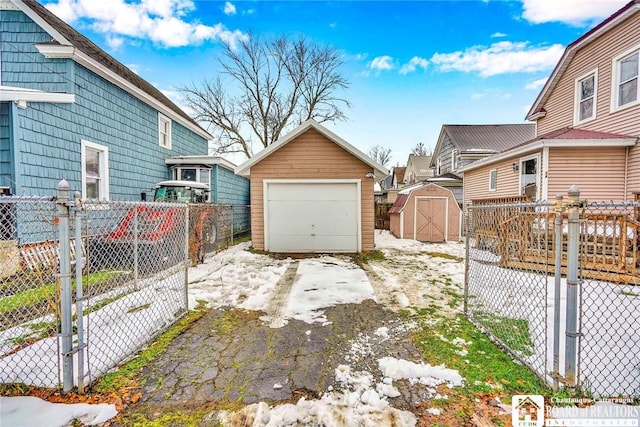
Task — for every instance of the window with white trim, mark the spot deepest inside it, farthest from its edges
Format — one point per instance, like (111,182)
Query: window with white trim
(164,131)
(454,160)
(95,171)
(493,179)
(586,97)
(438,166)
(626,72)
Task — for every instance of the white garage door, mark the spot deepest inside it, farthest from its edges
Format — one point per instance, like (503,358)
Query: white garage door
(312,216)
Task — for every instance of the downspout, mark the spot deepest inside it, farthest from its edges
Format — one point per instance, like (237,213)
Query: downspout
(626,173)
(14,141)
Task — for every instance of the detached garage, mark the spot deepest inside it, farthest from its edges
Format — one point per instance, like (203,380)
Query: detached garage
(311,191)
(426,212)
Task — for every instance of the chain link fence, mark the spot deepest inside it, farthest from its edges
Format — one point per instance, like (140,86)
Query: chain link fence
(84,285)
(507,301)
(558,286)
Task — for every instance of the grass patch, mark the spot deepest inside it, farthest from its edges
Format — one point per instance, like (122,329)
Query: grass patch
(37,297)
(127,375)
(171,418)
(442,255)
(367,257)
(514,333)
(629,294)
(485,367)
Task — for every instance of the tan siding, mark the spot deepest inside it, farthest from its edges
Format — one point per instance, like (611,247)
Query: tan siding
(476,182)
(394,225)
(599,53)
(311,156)
(598,172)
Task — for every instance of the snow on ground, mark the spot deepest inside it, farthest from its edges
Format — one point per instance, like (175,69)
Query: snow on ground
(358,401)
(609,313)
(415,274)
(26,411)
(109,333)
(325,282)
(235,277)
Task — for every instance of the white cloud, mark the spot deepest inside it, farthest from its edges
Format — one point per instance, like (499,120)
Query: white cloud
(229,8)
(498,35)
(573,12)
(491,93)
(161,21)
(500,58)
(333,25)
(114,42)
(382,63)
(536,84)
(415,63)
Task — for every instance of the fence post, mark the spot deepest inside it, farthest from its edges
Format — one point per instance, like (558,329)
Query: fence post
(572,332)
(186,256)
(559,209)
(66,328)
(79,292)
(466,262)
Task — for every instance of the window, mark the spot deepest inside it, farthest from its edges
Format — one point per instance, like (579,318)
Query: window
(438,166)
(529,168)
(164,131)
(493,179)
(586,97)
(95,171)
(454,160)
(625,89)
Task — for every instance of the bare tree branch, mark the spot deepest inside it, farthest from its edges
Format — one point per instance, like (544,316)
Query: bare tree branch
(380,154)
(420,150)
(266,89)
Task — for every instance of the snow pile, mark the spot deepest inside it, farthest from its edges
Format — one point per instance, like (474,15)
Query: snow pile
(32,411)
(422,373)
(359,399)
(358,403)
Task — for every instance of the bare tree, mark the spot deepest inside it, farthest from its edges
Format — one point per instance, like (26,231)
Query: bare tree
(420,150)
(268,88)
(380,154)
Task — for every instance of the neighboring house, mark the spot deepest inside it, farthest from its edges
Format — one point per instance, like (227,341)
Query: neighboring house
(311,191)
(68,110)
(588,122)
(461,145)
(417,169)
(226,187)
(397,177)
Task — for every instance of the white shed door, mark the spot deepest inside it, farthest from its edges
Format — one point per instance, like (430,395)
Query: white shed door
(311,217)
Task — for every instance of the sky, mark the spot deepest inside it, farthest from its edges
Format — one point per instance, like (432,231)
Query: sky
(412,65)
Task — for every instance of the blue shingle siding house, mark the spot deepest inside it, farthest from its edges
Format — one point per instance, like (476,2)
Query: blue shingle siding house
(68,110)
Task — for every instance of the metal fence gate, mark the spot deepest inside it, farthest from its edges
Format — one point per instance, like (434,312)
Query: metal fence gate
(558,286)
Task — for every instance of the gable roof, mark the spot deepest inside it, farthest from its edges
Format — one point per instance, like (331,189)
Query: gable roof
(69,43)
(566,137)
(421,166)
(484,139)
(245,168)
(620,15)
(398,172)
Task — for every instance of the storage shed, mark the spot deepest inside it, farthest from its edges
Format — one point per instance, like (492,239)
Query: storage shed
(311,191)
(426,212)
